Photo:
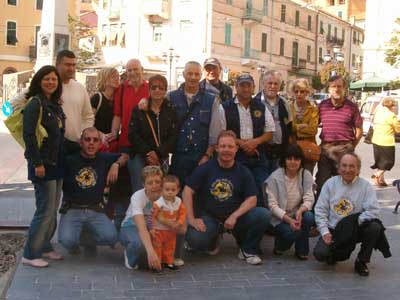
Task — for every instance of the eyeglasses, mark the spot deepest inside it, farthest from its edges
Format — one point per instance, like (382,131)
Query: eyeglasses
(89,139)
(300,91)
(157,87)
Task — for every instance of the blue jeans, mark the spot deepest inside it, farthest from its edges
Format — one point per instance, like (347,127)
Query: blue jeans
(135,251)
(44,222)
(135,166)
(98,225)
(248,231)
(285,236)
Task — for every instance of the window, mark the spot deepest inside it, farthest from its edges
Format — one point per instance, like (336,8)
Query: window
(283,13)
(228,31)
(340,14)
(335,32)
(264,42)
(343,34)
(354,37)
(308,53)
(157,33)
(265,8)
(282,47)
(331,2)
(353,60)
(309,23)
(12,2)
(230,2)
(12,33)
(320,59)
(329,30)
(297,19)
(39,4)
(342,1)
(321,27)
(247,40)
(295,55)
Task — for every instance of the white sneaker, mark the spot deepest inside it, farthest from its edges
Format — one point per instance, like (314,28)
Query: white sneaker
(127,265)
(179,262)
(251,259)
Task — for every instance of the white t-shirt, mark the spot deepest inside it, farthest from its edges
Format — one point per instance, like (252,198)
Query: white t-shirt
(140,205)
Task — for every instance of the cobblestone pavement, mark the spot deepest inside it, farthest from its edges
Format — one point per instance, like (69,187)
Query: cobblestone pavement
(220,277)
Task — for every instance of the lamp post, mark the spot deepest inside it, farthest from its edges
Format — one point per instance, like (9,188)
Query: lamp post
(169,57)
(261,69)
(337,58)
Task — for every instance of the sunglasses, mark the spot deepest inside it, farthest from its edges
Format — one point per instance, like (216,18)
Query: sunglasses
(157,87)
(89,139)
(300,91)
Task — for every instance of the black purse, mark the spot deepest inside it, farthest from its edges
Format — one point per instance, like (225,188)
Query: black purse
(368,136)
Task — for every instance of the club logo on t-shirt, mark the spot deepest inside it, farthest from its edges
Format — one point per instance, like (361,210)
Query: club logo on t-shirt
(221,189)
(86,178)
(343,208)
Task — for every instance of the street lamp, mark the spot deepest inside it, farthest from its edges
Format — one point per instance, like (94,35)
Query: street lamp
(261,69)
(169,57)
(337,58)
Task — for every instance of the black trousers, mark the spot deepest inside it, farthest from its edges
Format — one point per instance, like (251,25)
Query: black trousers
(369,235)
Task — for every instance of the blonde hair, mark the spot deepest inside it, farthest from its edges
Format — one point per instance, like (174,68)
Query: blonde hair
(388,102)
(148,171)
(300,83)
(103,76)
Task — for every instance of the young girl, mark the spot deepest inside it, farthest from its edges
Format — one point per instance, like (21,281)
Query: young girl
(169,213)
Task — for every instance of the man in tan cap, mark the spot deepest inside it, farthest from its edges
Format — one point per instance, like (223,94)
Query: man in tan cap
(211,83)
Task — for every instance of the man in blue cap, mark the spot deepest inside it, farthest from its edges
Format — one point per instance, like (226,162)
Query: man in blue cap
(253,124)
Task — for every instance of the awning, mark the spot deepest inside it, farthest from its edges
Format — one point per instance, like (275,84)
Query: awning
(373,83)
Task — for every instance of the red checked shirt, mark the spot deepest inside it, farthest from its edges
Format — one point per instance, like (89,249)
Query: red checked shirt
(339,123)
(130,99)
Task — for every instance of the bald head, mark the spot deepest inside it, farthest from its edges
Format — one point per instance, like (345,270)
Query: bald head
(134,72)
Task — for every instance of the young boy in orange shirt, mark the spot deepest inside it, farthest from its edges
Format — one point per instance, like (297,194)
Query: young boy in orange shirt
(168,215)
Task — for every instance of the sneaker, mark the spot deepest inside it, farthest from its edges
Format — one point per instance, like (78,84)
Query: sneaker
(251,259)
(179,262)
(127,265)
(361,268)
(214,251)
(171,267)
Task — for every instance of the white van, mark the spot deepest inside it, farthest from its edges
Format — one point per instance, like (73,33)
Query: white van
(368,109)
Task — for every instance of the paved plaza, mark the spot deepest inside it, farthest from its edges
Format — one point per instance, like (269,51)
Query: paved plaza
(203,277)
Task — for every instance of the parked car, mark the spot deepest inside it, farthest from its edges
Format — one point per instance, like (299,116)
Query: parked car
(369,106)
(318,97)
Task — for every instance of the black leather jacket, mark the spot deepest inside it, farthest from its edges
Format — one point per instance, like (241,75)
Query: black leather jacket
(53,120)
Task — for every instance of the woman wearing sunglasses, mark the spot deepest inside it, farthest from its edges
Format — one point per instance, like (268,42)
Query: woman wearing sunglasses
(153,132)
(305,116)
(44,163)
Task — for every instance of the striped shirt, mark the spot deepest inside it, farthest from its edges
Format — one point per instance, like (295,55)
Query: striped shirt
(339,123)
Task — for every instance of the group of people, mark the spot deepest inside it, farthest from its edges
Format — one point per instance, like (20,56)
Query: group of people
(194,162)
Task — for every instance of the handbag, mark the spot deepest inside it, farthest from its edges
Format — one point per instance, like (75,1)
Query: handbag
(368,136)
(15,125)
(311,150)
(165,163)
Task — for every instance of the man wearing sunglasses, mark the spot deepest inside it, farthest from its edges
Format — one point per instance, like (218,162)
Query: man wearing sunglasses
(85,175)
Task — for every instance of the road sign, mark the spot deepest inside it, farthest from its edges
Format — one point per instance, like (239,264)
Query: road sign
(7,108)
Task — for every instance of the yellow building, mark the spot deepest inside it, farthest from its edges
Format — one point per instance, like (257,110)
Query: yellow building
(19,22)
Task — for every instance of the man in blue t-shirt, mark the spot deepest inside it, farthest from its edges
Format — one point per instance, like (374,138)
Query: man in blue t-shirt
(85,176)
(227,192)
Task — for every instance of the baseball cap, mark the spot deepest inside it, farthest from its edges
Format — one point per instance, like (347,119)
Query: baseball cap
(212,61)
(244,78)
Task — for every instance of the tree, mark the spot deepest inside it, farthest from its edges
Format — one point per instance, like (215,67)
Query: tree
(316,83)
(80,30)
(328,69)
(393,53)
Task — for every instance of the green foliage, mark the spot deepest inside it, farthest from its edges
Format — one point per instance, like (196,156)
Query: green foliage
(232,75)
(316,83)
(393,85)
(393,53)
(327,69)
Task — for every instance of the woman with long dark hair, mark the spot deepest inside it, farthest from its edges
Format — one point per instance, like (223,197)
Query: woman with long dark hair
(290,199)
(44,162)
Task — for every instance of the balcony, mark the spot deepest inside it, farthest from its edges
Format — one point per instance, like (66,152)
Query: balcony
(252,15)
(251,53)
(156,10)
(334,41)
(299,64)
(114,13)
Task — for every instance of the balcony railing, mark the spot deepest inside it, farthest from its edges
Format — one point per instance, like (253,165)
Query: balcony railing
(251,53)
(335,40)
(253,15)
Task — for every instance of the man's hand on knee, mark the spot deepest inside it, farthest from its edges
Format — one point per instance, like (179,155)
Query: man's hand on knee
(198,224)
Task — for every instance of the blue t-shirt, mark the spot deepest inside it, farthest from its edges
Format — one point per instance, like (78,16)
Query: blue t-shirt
(222,190)
(85,178)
